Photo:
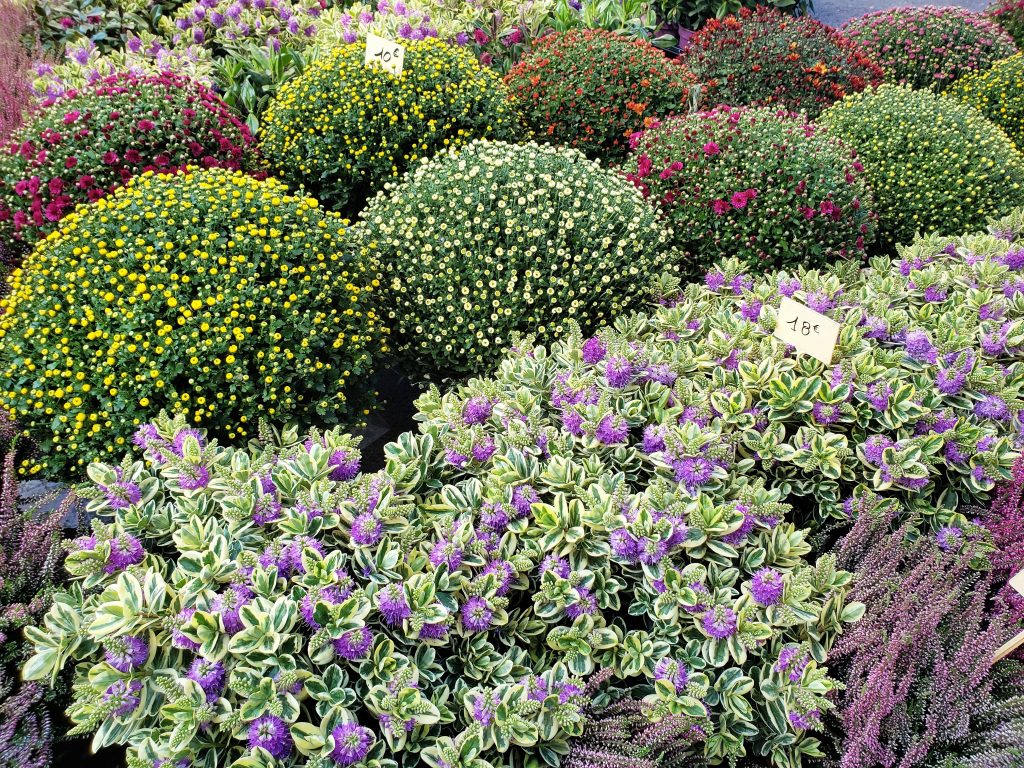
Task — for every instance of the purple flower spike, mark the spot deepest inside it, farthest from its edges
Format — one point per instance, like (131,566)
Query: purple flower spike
(392,605)
(271,733)
(674,672)
(354,644)
(720,622)
(125,695)
(126,654)
(767,586)
(210,675)
(476,615)
(352,743)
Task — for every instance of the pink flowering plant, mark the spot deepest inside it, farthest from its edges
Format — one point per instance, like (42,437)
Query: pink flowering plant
(87,143)
(930,47)
(1008,14)
(468,605)
(759,184)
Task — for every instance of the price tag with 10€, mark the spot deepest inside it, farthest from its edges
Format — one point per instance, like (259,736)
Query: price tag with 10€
(389,55)
(810,332)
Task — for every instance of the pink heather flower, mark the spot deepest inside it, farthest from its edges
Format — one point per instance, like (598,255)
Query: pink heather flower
(720,207)
(352,743)
(145,125)
(711,148)
(767,586)
(720,622)
(476,615)
(271,733)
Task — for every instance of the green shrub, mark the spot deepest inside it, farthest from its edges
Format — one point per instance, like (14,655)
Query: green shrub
(761,185)
(929,47)
(494,239)
(932,162)
(998,93)
(343,129)
(209,292)
(591,89)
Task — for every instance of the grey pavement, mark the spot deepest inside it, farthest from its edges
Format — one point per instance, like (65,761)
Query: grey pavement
(835,12)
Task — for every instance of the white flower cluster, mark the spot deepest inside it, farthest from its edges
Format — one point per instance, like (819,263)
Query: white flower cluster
(481,243)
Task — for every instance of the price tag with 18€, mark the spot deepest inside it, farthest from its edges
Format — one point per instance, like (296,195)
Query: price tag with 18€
(387,54)
(810,332)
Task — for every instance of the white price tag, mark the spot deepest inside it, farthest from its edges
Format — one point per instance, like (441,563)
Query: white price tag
(1017,582)
(386,53)
(810,332)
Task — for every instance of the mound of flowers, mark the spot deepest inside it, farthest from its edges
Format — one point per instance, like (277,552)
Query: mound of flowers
(930,47)
(496,239)
(592,89)
(763,56)
(933,163)
(463,609)
(759,184)
(343,129)
(209,292)
(1008,14)
(85,144)
(998,93)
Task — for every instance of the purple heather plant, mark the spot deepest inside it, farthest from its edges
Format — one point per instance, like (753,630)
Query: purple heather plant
(918,666)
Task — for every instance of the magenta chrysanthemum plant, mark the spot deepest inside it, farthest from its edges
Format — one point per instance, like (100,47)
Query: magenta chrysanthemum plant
(929,47)
(763,185)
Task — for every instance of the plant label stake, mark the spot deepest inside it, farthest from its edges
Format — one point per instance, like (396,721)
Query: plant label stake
(388,55)
(810,332)
(1017,582)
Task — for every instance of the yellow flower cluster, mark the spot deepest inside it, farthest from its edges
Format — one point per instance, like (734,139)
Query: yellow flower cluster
(932,162)
(343,129)
(998,93)
(208,293)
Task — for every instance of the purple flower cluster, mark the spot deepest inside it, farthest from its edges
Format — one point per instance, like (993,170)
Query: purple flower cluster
(720,622)
(352,743)
(271,733)
(126,654)
(354,644)
(124,696)
(210,675)
(229,603)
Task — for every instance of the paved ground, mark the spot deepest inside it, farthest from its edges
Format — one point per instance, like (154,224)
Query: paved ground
(835,12)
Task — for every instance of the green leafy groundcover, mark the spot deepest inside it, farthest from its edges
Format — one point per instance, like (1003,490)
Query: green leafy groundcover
(615,506)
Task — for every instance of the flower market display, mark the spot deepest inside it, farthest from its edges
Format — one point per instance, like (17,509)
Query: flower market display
(86,144)
(175,289)
(930,47)
(501,239)
(932,162)
(761,185)
(384,125)
(574,384)
(592,90)
(764,57)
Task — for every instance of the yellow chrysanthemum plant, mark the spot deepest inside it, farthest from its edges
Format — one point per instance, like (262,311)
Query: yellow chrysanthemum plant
(207,292)
(344,129)
(998,93)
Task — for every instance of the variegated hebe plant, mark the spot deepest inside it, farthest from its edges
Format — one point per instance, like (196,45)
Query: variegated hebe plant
(615,503)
